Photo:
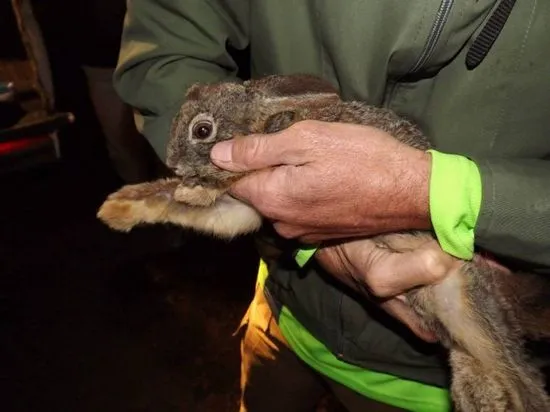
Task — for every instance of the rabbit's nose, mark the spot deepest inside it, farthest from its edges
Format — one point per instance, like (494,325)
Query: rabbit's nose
(175,168)
(172,163)
(179,170)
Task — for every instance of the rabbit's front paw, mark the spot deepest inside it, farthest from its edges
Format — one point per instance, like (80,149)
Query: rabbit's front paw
(198,196)
(162,188)
(120,215)
(136,204)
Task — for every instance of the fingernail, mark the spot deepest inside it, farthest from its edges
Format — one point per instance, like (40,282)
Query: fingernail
(221,152)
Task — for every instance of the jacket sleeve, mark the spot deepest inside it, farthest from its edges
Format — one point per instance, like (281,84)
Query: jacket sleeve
(168,45)
(514,219)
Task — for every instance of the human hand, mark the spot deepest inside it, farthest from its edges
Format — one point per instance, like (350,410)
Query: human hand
(318,180)
(384,275)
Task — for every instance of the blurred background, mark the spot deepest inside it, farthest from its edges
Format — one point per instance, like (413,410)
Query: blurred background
(93,320)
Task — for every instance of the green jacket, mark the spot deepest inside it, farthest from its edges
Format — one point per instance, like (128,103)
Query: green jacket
(406,55)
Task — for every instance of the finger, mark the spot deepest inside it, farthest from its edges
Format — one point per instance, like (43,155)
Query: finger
(335,263)
(265,190)
(257,152)
(307,234)
(253,189)
(272,192)
(403,312)
(399,272)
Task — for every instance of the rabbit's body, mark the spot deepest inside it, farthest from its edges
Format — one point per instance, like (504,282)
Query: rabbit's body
(480,312)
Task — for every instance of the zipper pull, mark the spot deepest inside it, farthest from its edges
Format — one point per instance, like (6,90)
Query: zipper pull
(485,39)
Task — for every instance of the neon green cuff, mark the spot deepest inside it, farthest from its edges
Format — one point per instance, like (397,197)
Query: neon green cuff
(455,201)
(302,256)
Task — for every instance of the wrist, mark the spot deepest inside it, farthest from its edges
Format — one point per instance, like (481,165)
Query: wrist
(397,198)
(420,195)
(408,206)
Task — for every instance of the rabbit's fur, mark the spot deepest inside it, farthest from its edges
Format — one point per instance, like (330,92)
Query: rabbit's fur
(481,312)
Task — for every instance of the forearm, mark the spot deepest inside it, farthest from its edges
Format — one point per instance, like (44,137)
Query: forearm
(167,46)
(499,205)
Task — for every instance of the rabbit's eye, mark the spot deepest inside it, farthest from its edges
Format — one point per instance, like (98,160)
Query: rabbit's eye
(202,130)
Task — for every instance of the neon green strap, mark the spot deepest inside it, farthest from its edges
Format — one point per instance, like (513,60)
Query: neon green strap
(391,390)
(455,201)
(409,395)
(302,256)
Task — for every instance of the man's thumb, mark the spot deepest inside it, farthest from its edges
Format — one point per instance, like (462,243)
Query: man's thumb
(246,153)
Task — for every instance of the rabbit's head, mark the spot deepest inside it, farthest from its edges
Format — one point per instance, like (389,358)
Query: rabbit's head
(222,111)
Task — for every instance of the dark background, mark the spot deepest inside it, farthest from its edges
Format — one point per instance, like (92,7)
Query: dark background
(93,320)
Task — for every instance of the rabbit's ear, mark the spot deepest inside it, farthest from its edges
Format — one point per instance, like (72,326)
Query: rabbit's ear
(295,85)
(279,121)
(198,91)
(287,97)
(193,91)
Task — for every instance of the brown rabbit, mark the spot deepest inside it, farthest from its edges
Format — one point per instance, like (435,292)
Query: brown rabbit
(481,313)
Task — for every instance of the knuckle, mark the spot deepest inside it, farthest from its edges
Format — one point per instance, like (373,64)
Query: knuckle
(310,239)
(303,140)
(305,128)
(435,263)
(376,275)
(380,290)
(301,126)
(374,279)
(285,231)
(246,150)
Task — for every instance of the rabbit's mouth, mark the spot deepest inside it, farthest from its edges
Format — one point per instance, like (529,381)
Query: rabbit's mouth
(206,175)
(214,185)
(185,173)
(191,178)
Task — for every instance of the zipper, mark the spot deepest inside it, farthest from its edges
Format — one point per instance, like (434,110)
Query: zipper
(435,33)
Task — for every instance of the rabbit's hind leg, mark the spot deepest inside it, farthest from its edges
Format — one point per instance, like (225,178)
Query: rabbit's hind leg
(474,390)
